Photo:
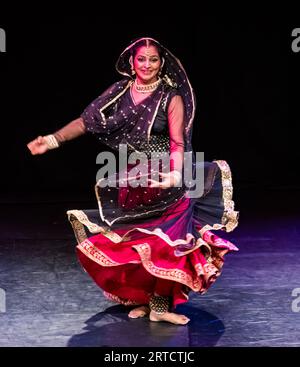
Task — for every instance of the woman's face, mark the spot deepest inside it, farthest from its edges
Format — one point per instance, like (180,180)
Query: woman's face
(146,64)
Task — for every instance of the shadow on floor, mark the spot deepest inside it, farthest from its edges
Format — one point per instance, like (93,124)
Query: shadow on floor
(113,328)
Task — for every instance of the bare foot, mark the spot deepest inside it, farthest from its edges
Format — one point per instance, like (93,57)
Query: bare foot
(171,317)
(140,311)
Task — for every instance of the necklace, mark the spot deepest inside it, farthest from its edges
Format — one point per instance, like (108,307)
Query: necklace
(146,88)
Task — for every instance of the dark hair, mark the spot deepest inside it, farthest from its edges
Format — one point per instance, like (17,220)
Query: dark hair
(145,42)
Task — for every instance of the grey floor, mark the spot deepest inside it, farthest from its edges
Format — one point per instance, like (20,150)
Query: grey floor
(50,301)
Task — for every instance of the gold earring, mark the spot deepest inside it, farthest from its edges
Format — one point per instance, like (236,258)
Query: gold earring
(131,64)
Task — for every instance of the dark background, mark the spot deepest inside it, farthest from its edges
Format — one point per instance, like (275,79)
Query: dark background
(243,71)
(246,79)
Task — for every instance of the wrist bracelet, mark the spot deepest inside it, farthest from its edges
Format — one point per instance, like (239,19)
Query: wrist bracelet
(51,141)
(177,176)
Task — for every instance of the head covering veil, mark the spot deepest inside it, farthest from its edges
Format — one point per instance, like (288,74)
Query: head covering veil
(174,76)
(114,125)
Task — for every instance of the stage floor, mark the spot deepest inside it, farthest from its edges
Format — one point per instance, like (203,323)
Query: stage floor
(51,301)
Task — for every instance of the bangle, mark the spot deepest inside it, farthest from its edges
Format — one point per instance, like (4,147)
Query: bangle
(177,175)
(51,141)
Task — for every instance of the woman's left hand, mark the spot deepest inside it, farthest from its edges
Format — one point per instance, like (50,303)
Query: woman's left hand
(170,179)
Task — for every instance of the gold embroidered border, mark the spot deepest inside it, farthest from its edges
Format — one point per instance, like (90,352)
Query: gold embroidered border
(158,232)
(123,301)
(199,243)
(78,229)
(81,218)
(78,218)
(93,253)
(176,275)
(229,219)
(208,271)
(230,216)
(114,99)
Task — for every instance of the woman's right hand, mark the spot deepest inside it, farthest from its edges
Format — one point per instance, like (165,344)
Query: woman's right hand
(38,146)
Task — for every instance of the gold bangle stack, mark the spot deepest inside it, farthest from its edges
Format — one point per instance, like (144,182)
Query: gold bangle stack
(177,176)
(51,141)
